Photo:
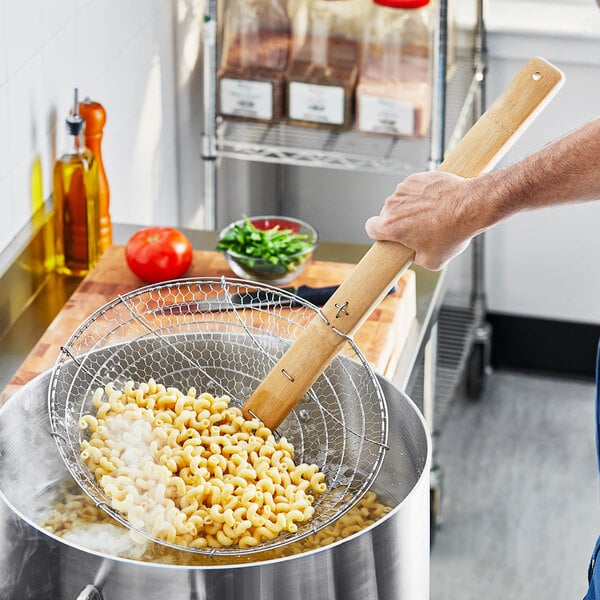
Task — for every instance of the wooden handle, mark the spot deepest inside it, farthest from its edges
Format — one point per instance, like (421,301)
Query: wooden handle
(369,282)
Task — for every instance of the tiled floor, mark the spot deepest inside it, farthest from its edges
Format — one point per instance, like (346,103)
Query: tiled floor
(520,509)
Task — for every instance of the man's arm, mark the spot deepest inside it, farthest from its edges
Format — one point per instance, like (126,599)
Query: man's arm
(436,214)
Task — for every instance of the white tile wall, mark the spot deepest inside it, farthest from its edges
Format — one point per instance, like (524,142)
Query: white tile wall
(27,123)
(95,43)
(3,65)
(118,52)
(54,16)
(23,32)
(5,211)
(4,146)
(20,188)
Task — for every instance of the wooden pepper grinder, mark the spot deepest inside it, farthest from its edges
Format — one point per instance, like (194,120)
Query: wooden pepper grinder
(94,116)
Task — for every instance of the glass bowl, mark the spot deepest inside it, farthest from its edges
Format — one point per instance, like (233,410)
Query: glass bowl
(259,262)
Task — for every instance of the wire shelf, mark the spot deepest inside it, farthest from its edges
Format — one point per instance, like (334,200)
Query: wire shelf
(350,150)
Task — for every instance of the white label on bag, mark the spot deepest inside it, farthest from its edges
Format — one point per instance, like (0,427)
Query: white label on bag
(316,103)
(386,115)
(242,98)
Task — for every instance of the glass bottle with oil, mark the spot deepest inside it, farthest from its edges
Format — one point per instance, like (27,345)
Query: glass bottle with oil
(75,197)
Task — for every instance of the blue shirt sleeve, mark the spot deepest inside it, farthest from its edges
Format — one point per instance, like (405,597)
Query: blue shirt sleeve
(593,592)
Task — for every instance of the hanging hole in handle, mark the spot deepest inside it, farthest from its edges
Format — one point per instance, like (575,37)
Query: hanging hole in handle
(536,76)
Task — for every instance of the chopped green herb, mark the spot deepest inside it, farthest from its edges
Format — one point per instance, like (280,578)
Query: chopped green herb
(274,251)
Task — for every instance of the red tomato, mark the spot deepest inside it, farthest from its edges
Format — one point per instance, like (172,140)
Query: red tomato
(158,253)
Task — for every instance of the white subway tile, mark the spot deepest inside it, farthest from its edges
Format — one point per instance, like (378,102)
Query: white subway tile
(142,11)
(117,125)
(23,31)
(124,24)
(123,167)
(47,152)
(160,4)
(9,230)
(4,139)
(58,78)
(81,4)
(3,66)
(129,74)
(148,136)
(94,39)
(55,15)
(26,111)
(20,192)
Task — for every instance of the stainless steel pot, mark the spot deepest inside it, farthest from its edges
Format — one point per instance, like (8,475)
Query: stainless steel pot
(387,561)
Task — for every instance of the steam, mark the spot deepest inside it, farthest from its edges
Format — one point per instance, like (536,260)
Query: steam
(31,464)
(106,538)
(132,438)
(19,543)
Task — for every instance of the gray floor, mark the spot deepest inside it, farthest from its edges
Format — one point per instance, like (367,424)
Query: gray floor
(520,510)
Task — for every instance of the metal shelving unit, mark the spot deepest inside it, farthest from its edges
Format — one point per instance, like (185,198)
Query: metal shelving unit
(453,99)
(457,101)
(349,150)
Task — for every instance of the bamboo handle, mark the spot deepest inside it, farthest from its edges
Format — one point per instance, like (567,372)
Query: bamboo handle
(371,279)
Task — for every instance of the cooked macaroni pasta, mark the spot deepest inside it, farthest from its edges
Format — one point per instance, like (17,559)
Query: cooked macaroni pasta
(191,471)
(75,513)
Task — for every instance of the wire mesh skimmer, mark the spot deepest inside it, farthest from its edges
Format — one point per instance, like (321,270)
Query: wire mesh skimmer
(224,336)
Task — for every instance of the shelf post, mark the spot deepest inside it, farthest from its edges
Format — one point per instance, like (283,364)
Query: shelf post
(209,133)
(438,104)
(478,295)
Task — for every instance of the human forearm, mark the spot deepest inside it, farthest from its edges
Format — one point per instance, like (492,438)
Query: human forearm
(565,171)
(437,213)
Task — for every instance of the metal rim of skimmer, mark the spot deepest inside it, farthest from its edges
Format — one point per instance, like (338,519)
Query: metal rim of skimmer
(216,342)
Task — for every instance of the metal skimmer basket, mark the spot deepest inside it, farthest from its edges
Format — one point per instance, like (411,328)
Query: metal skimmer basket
(214,335)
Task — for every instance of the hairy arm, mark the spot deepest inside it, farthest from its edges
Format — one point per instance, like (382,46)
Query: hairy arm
(436,214)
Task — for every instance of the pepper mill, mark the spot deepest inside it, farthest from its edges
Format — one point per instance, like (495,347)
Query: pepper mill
(94,116)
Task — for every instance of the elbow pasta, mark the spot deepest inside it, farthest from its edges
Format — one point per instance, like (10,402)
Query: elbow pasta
(191,471)
(74,511)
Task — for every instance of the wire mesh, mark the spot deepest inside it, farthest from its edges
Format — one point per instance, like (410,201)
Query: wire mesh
(214,335)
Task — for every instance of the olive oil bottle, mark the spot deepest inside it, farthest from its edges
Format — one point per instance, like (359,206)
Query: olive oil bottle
(75,197)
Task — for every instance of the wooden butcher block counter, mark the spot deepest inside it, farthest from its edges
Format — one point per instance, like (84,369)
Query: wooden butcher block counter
(381,338)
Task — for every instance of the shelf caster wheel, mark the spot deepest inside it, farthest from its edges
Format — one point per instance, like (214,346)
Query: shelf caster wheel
(435,502)
(475,372)
(478,363)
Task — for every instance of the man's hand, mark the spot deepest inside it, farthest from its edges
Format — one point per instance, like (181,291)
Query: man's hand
(429,213)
